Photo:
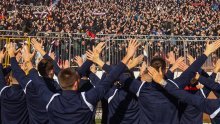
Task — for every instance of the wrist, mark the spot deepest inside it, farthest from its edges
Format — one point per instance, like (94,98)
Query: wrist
(215,71)
(79,65)
(140,74)
(125,59)
(172,69)
(1,61)
(29,66)
(42,52)
(143,79)
(172,63)
(207,53)
(27,61)
(100,63)
(163,83)
(129,66)
(13,55)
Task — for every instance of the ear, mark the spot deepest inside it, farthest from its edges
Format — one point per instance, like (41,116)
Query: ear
(51,71)
(75,85)
(160,71)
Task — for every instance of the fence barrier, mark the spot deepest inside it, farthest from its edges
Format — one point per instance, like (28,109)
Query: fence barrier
(66,46)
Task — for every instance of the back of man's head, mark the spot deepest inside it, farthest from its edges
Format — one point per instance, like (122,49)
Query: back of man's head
(68,78)
(157,63)
(45,67)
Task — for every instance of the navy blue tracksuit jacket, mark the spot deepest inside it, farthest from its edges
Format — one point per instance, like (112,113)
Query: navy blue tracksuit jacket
(122,105)
(36,108)
(13,103)
(190,114)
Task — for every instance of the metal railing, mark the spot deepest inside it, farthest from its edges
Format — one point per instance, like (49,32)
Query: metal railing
(66,46)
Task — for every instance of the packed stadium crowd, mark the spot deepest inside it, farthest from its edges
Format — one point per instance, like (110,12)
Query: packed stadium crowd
(147,17)
(51,94)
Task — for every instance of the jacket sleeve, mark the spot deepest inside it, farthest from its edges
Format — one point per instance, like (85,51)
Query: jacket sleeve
(209,106)
(107,68)
(94,79)
(169,74)
(190,72)
(2,80)
(213,76)
(6,70)
(84,70)
(209,83)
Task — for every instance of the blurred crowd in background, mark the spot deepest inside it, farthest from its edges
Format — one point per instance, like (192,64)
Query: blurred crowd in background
(145,17)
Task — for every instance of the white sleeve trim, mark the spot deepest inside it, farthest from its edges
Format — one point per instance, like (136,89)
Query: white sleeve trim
(139,90)
(173,83)
(203,93)
(110,98)
(3,89)
(92,84)
(27,85)
(87,103)
(51,99)
(215,113)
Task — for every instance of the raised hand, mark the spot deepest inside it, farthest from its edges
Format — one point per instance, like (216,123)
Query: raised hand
(26,55)
(18,50)
(66,64)
(99,47)
(134,62)
(94,57)
(18,56)
(190,59)
(157,76)
(132,48)
(183,66)
(217,66)
(171,58)
(177,64)
(37,46)
(210,48)
(24,67)
(2,56)
(11,49)
(78,60)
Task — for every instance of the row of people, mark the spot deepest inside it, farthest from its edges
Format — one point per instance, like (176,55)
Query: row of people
(34,96)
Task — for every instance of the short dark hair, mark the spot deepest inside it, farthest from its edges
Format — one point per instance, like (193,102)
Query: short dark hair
(44,67)
(67,78)
(158,62)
